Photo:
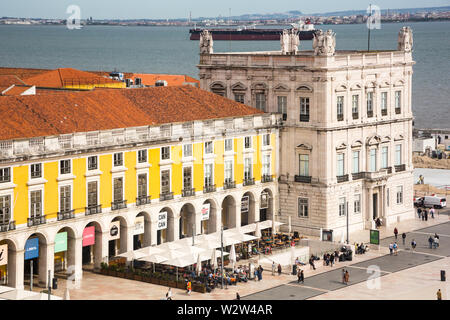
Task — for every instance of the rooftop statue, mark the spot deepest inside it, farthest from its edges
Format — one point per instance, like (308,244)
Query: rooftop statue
(405,39)
(324,44)
(289,41)
(206,42)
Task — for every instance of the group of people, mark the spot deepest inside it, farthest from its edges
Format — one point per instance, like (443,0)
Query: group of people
(329,259)
(423,213)
(433,242)
(361,248)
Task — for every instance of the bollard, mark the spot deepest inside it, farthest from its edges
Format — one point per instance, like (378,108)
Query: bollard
(442,275)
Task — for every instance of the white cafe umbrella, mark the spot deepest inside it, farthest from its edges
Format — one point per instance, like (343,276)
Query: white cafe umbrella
(189,249)
(148,251)
(154,258)
(181,262)
(232,256)
(171,246)
(132,255)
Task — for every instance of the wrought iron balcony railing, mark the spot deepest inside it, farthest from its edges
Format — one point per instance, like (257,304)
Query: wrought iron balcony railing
(228,184)
(358,175)
(93,210)
(188,192)
(384,112)
(304,118)
(400,168)
(117,205)
(7,226)
(36,221)
(303,179)
(266,178)
(340,117)
(369,113)
(166,196)
(249,182)
(355,115)
(343,178)
(66,215)
(143,200)
(209,188)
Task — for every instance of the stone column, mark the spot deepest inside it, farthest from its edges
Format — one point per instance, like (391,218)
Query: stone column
(237,216)
(370,203)
(149,233)
(75,258)
(101,248)
(126,239)
(15,268)
(198,223)
(175,229)
(257,206)
(46,263)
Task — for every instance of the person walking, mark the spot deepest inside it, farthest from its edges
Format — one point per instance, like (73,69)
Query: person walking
(343,276)
(331,260)
(430,242)
(189,287)
(238,297)
(311,263)
(419,212)
(436,243)
(273,268)
(439,294)
(403,237)
(395,248)
(391,248)
(395,233)
(300,277)
(413,244)
(432,213)
(346,277)
(169,294)
(279,269)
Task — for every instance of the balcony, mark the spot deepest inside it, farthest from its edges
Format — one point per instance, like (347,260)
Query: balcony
(266,178)
(188,192)
(7,226)
(117,205)
(209,188)
(66,215)
(389,170)
(358,175)
(384,112)
(93,210)
(304,118)
(249,182)
(369,113)
(355,115)
(340,117)
(400,168)
(228,184)
(398,110)
(166,196)
(303,179)
(143,200)
(343,178)
(36,221)
(284,116)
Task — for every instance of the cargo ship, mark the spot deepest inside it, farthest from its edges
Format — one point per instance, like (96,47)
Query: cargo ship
(306,32)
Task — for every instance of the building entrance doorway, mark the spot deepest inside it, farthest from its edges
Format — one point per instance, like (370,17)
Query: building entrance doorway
(375,206)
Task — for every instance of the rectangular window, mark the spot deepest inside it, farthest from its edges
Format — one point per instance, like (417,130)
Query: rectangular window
(266,165)
(340,108)
(92,193)
(228,145)
(64,167)
(228,171)
(304,109)
(399,194)
(304,165)
(65,199)
(282,106)
(357,204)
(165,153)
(387,197)
(340,164)
(266,140)
(373,160)
(93,163)
(187,178)
(248,142)
(35,203)
(369,104)
(118,159)
(5,209)
(239,97)
(355,162)
(208,174)
(384,157)
(5,175)
(208,147)
(384,101)
(303,207)
(187,150)
(398,154)
(165,181)
(36,170)
(398,99)
(142,185)
(342,208)
(142,156)
(118,190)
(261,101)
(247,168)
(355,104)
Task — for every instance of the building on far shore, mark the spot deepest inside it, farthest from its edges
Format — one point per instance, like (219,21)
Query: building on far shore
(346,136)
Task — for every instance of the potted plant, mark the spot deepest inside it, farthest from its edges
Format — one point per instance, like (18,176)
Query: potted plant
(164,280)
(146,277)
(129,274)
(104,268)
(112,270)
(181,284)
(138,275)
(199,287)
(172,282)
(120,272)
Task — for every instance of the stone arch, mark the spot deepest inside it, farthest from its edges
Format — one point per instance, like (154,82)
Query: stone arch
(248,215)
(266,206)
(171,233)
(121,245)
(229,212)
(92,243)
(211,225)
(238,86)
(357,144)
(219,88)
(144,239)
(65,258)
(12,265)
(40,263)
(188,220)
(281,87)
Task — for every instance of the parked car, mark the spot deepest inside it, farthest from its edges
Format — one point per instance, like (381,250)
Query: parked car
(418,201)
(434,202)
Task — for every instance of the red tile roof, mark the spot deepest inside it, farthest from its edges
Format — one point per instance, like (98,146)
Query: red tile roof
(16,90)
(21,72)
(65,77)
(69,112)
(9,80)
(172,79)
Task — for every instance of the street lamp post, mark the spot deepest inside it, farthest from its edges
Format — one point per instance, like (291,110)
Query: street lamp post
(221,256)
(347,219)
(49,284)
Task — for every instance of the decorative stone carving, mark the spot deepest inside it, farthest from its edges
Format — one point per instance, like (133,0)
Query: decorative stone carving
(289,41)
(324,44)
(405,39)
(206,42)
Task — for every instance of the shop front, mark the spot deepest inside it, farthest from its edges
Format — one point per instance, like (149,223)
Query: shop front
(114,238)
(161,233)
(60,252)
(139,231)
(3,264)
(88,244)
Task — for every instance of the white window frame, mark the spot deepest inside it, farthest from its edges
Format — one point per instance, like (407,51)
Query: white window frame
(225,169)
(59,167)
(251,167)
(161,151)
(42,170)
(37,188)
(138,173)
(113,160)
(358,162)
(337,164)
(386,165)
(384,100)
(92,179)
(302,214)
(208,163)
(115,176)
(170,178)
(397,153)
(399,193)
(373,163)
(251,142)
(357,203)
(191,150)
(344,207)
(146,156)
(4,193)
(206,149)
(62,185)
(192,175)
(98,162)
(266,165)
(225,145)
(355,103)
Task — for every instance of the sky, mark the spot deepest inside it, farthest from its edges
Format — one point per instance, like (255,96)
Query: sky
(169,9)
